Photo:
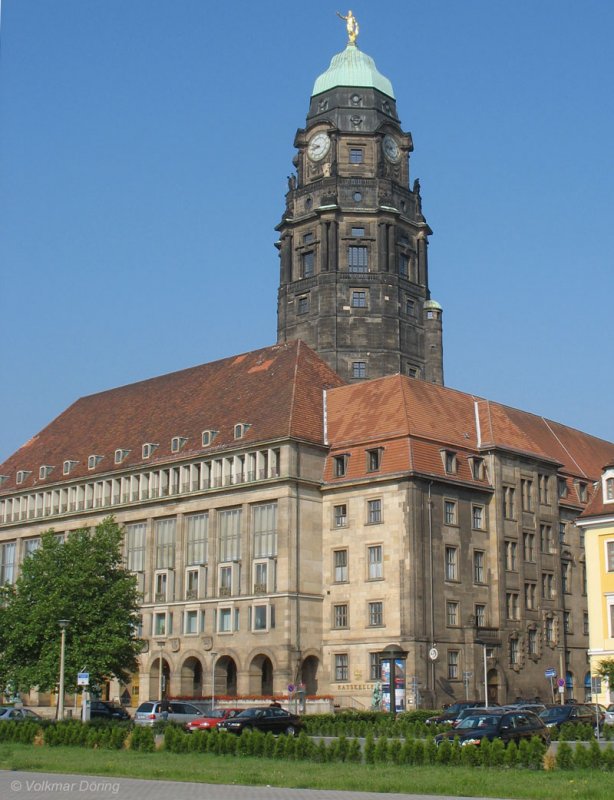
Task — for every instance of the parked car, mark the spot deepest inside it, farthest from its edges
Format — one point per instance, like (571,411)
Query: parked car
(166,710)
(11,713)
(271,718)
(450,714)
(571,712)
(609,715)
(212,719)
(534,707)
(497,723)
(102,709)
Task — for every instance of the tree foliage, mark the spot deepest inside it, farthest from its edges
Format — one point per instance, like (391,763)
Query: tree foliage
(606,670)
(81,579)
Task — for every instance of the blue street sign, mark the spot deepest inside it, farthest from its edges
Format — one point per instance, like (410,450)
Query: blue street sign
(550,673)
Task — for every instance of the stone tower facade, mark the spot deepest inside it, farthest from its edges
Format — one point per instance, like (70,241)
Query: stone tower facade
(353,240)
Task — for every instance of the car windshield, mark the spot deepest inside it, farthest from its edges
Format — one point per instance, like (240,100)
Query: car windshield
(249,712)
(217,713)
(474,721)
(553,713)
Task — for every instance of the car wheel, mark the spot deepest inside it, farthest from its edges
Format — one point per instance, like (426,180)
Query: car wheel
(290,730)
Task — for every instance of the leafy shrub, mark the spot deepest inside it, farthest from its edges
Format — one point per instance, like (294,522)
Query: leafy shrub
(564,756)
(143,739)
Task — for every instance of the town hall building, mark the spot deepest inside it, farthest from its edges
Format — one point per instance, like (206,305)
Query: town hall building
(291,513)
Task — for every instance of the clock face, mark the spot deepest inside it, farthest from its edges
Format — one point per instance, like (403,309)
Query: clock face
(391,148)
(318,147)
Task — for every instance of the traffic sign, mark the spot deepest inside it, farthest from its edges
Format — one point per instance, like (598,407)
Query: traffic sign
(560,682)
(83,679)
(291,688)
(433,653)
(550,673)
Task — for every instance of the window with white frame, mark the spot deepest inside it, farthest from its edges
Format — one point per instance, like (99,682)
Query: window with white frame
(480,615)
(177,442)
(264,520)
(262,576)
(451,563)
(192,583)
(342,667)
(120,455)
(340,515)
(93,461)
(191,622)
(374,511)
(530,595)
(478,566)
(477,517)
(229,522)
(511,549)
(376,614)
(159,627)
(135,546)
(609,555)
(452,613)
(547,585)
(532,642)
(340,615)
(225,620)
(511,605)
(228,579)
(453,662)
(609,490)
(374,667)
(165,532)
(514,652)
(31,546)
(260,618)
(340,566)
(197,538)
(7,563)
(161,587)
(449,512)
(375,560)
(549,630)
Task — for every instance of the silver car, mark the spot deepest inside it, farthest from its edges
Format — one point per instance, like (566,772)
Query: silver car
(18,714)
(609,715)
(167,711)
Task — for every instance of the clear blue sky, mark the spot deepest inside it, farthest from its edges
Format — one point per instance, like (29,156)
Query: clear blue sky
(144,151)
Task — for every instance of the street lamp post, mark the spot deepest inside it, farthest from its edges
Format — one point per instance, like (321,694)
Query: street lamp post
(63,624)
(161,643)
(213,657)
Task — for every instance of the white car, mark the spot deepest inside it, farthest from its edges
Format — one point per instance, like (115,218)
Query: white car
(609,715)
(11,713)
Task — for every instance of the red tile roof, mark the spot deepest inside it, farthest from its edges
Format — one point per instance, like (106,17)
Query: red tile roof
(277,391)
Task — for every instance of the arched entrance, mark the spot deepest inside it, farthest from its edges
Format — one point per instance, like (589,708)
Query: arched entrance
(226,676)
(493,686)
(261,676)
(154,679)
(191,678)
(309,674)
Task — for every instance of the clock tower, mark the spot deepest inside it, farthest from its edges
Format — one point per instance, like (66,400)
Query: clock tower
(353,239)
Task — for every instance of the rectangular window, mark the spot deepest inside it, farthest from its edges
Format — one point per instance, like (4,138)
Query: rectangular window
(453,659)
(478,566)
(452,614)
(480,615)
(342,667)
(31,546)
(513,651)
(544,490)
(477,468)
(511,605)
(374,511)
(527,494)
(160,587)
(7,563)
(410,306)
(191,584)
(340,466)
(307,262)
(340,560)
(545,537)
(340,515)
(562,487)
(509,510)
(358,231)
(225,620)
(403,265)
(582,492)
(451,563)
(229,522)
(358,258)
(359,298)
(532,642)
(547,585)
(225,584)
(197,538)
(567,621)
(340,616)
(449,512)
(160,624)
(609,549)
(374,460)
(566,577)
(165,531)
(528,543)
(356,155)
(376,614)
(374,667)
(510,555)
(191,622)
(260,618)
(261,577)
(609,489)
(477,517)
(303,304)
(264,521)
(359,369)
(135,546)
(585,623)
(307,238)
(530,594)
(449,461)
(550,630)
(375,559)
(562,532)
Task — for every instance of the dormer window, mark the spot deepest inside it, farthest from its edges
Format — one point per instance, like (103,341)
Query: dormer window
(608,490)
(208,437)
(120,455)
(68,467)
(341,466)
(477,468)
(148,449)
(449,461)
(374,459)
(177,442)
(241,429)
(582,491)
(21,476)
(44,471)
(93,461)
(3,479)
(562,485)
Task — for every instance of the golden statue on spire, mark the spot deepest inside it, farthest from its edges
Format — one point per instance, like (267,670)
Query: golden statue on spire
(351,25)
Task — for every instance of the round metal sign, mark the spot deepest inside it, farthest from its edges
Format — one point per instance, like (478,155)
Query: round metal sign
(433,653)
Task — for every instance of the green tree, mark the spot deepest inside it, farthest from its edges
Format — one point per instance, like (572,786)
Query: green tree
(81,579)
(606,670)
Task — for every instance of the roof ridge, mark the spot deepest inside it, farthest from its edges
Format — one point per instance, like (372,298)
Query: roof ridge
(548,425)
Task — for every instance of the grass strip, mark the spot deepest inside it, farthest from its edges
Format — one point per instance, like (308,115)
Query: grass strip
(208,768)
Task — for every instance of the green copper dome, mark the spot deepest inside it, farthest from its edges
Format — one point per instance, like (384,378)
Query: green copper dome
(352,67)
